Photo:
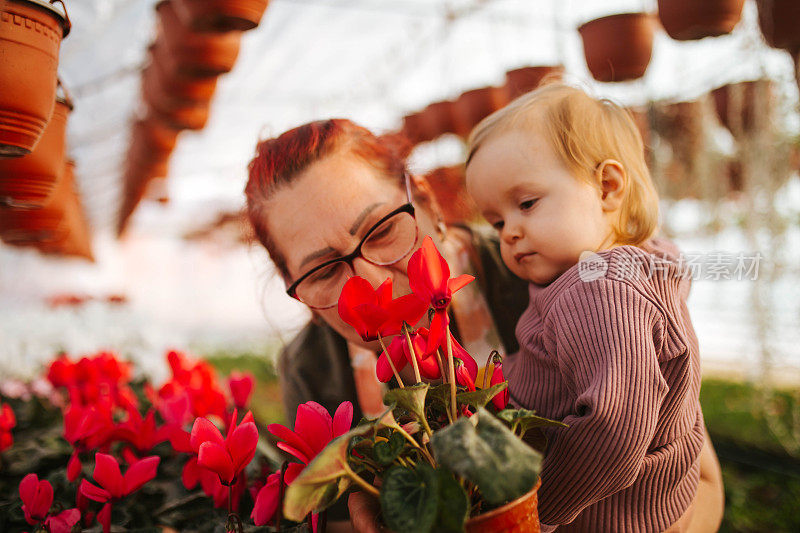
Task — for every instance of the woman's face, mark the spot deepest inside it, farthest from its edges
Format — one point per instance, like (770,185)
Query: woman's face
(326,211)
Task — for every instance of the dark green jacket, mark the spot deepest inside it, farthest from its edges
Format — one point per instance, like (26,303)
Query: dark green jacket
(316,364)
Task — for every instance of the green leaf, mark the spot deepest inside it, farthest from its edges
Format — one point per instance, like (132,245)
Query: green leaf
(323,480)
(453,503)
(440,394)
(526,419)
(489,455)
(410,498)
(412,399)
(481,397)
(387,451)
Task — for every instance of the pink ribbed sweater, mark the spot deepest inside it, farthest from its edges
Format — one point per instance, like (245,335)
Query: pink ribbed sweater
(616,358)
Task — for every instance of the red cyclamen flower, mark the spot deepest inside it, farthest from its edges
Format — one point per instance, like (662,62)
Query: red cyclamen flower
(113,485)
(313,429)
(373,312)
(241,386)
(429,278)
(37,497)
(400,355)
(462,375)
(501,400)
(7,422)
(225,457)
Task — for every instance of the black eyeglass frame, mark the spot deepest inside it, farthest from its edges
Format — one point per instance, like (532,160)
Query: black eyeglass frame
(348,259)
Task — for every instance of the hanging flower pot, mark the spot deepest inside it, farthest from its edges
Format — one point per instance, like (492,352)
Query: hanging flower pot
(197,54)
(30,37)
(75,239)
(518,516)
(221,15)
(690,20)
(163,77)
(779,21)
(736,104)
(522,80)
(28,181)
(618,47)
(473,106)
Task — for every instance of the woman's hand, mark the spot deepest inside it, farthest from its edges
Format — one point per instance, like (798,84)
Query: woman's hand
(364,511)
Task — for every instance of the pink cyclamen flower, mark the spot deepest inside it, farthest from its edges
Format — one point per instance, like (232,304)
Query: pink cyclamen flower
(241,386)
(225,456)
(313,429)
(113,485)
(501,400)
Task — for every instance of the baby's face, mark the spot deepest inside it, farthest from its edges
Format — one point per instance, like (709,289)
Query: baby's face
(545,215)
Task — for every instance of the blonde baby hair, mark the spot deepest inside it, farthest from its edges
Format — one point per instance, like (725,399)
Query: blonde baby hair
(584,132)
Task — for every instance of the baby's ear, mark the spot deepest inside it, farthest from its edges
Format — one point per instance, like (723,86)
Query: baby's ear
(613,180)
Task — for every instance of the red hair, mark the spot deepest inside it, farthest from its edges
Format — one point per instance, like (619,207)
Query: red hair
(280,160)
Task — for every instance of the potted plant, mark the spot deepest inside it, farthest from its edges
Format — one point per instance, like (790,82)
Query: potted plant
(27,181)
(30,37)
(446,455)
(221,15)
(688,20)
(522,80)
(618,47)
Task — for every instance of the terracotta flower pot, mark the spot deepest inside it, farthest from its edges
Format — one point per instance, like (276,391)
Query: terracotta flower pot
(689,20)
(221,15)
(30,37)
(163,76)
(199,54)
(618,47)
(60,227)
(519,516)
(779,21)
(28,181)
(475,105)
(521,80)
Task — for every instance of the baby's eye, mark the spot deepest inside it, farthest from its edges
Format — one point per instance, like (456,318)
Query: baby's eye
(527,204)
(498,225)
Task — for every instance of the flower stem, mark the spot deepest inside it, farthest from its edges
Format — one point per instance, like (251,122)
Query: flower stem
(451,372)
(359,481)
(391,363)
(412,352)
(441,365)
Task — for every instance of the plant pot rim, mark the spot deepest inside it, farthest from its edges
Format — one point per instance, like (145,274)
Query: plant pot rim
(505,507)
(63,18)
(629,14)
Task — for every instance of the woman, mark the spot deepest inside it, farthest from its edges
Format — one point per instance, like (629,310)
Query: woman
(329,200)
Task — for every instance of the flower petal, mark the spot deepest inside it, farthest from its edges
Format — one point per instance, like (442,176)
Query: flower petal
(295,452)
(460,282)
(74,467)
(104,517)
(314,425)
(215,457)
(396,352)
(242,445)
(204,431)
(436,336)
(28,488)
(93,492)
(43,500)
(140,473)
(292,439)
(383,294)
(342,419)
(409,308)
(63,521)
(107,474)
(190,475)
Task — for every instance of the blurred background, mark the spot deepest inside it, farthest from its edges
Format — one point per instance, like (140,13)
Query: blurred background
(152,252)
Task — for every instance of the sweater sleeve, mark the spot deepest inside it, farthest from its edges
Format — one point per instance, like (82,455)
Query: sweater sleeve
(604,331)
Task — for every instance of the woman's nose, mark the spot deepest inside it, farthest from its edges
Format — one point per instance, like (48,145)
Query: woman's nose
(375,274)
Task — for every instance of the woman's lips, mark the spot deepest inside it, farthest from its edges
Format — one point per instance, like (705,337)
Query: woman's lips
(521,256)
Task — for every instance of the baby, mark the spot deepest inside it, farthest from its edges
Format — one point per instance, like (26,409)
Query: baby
(606,344)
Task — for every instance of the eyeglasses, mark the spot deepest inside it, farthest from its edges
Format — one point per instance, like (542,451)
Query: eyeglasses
(387,242)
